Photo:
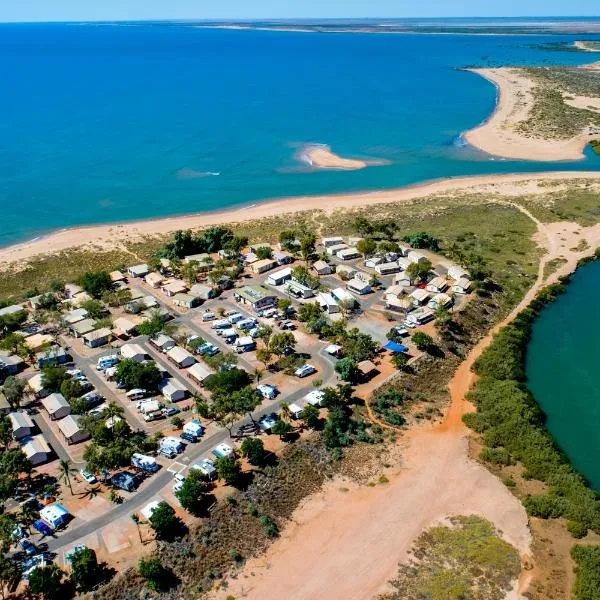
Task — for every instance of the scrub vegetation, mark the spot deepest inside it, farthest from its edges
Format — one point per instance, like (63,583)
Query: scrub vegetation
(464,560)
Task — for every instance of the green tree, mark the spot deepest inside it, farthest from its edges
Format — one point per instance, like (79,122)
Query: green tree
(192,492)
(400,361)
(71,388)
(46,582)
(280,343)
(302,275)
(264,252)
(133,374)
(9,572)
(363,226)
(65,471)
(309,311)
(6,433)
(85,570)
(53,378)
(229,470)
(281,428)
(366,246)
(95,283)
(264,356)
(165,522)
(418,270)
(254,450)
(310,416)
(14,389)
(422,341)
(152,571)
(283,304)
(422,239)
(151,326)
(226,382)
(347,369)
(287,239)
(177,422)
(307,245)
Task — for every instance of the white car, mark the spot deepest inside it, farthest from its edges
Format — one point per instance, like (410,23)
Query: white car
(305,371)
(208,316)
(89,477)
(179,481)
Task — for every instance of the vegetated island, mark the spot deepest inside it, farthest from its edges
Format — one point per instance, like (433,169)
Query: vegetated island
(587,46)
(542,113)
(320,156)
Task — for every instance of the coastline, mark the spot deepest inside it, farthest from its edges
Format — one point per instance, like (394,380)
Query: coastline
(498,134)
(113,235)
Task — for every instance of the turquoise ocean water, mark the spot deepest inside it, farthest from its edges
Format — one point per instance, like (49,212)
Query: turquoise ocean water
(102,123)
(562,370)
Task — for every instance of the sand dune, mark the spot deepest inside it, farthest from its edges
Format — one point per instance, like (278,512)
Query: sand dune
(321,157)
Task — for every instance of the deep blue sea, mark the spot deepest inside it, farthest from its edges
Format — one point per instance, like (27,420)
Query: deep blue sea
(103,123)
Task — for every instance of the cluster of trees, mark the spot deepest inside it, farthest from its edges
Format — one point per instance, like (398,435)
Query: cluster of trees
(95,283)
(299,240)
(302,274)
(512,426)
(587,571)
(133,374)
(385,404)
(213,239)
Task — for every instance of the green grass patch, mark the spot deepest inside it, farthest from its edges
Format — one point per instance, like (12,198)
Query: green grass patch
(587,572)
(463,561)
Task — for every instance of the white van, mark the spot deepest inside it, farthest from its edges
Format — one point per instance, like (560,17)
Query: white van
(105,362)
(136,394)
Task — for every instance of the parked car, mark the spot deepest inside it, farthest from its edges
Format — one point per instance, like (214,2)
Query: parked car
(179,481)
(266,422)
(208,316)
(170,411)
(289,325)
(87,476)
(28,547)
(188,437)
(305,371)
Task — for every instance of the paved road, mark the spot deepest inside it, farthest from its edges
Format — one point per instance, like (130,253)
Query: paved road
(193,452)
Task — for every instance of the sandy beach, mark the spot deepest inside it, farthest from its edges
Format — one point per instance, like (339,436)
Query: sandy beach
(498,135)
(114,235)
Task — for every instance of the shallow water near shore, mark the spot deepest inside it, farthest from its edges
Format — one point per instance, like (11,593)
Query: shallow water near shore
(103,123)
(562,370)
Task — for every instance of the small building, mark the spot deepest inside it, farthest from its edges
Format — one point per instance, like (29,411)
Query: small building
(249,258)
(299,290)
(417,257)
(440,301)
(461,286)
(162,342)
(37,450)
(341,295)
(322,268)
(154,279)
(366,369)
(398,304)
(21,424)
(396,290)
(258,246)
(334,350)
(10,364)
(225,254)
(199,373)
(80,328)
(437,285)
(138,271)
(37,341)
(116,276)
(402,279)
(279,277)
(180,357)
(13,309)
(5,406)
(345,272)
(333,250)
(404,263)
(328,303)
(173,287)
(124,327)
(36,385)
(51,357)
(358,286)
(420,296)
(420,316)
(71,430)
(282,258)
(387,268)
(172,390)
(455,272)
(186,300)
(256,297)
(202,291)
(348,254)
(203,258)
(332,241)
(295,408)
(262,266)
(98,338)
(74,316)
(133,352)
(373,261)
(56,406)
(71,290)
(55,515)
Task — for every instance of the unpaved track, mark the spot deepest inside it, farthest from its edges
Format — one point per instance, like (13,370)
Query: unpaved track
(346,543)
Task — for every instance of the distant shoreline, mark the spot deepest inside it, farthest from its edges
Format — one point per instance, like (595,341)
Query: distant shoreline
(114,235)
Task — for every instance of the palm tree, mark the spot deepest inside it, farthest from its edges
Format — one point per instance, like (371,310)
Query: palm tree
(136,519)
(65,470)
(284,413)
(258,374)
